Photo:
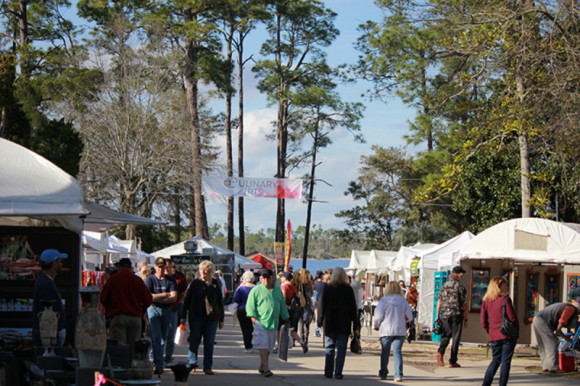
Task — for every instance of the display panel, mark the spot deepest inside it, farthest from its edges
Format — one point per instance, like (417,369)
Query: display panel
(479,281)
(532,297)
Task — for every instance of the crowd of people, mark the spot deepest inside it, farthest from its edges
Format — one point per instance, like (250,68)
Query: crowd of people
(155,301)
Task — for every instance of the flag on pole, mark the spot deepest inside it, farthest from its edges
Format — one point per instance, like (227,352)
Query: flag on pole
(288,249)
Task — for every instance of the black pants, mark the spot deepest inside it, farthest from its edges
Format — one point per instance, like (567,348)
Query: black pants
(452,328)
(247,328)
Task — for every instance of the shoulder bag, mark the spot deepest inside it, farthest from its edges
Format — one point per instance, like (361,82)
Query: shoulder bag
(507,327)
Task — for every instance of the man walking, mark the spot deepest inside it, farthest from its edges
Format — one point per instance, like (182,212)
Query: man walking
(266,306)
(452,313)
(45,292)
(175,309)
(125,298)
(164,292)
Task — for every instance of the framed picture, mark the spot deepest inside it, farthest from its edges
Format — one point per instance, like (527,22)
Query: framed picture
(532,296)
(552,286)
(572,286)
(479,281)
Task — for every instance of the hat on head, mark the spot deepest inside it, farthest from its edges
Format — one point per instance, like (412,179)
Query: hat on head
(458,269)
(266,271)
(125,263)
(287,275)
(50,255)
(319,274)
(160,261)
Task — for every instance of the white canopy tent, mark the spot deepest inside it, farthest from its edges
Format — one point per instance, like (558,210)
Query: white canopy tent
(401,265)
(35,192)
(526,240)
(179,248)
(379,261)
(442,257)
(358,260)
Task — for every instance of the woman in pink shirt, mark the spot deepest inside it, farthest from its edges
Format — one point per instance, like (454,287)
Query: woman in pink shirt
(491,314)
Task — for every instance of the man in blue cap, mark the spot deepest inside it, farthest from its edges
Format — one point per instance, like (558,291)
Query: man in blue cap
(45,292)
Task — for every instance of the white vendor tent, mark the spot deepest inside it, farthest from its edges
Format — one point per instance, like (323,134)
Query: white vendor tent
(531,240)
(179,248)
(401,265)
(359,260)
(35,192)
(442,257)
(379,261)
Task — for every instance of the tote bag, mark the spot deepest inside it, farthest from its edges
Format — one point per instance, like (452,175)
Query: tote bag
(507,327)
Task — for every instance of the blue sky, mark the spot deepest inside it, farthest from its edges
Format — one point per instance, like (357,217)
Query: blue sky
(383,124)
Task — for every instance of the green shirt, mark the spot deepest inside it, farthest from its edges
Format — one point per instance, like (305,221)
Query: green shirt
(266,306)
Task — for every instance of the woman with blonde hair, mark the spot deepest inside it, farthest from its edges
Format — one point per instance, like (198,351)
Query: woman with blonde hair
(491,315)
(390,318)
(338,314)
(306,288)
(204,306)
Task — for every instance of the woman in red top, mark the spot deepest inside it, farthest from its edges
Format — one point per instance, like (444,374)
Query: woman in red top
(491,314)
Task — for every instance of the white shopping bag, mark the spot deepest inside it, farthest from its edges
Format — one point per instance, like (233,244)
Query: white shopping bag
(181,335)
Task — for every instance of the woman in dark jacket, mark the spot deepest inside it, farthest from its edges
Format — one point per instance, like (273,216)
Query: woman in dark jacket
(491,314)
(203,304)
(337,314)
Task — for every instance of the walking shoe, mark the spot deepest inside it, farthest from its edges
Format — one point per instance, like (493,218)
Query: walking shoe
(454,365)
(158,371)
(398,379)
(383,377)
(440,359)
(248,351)
(208,372)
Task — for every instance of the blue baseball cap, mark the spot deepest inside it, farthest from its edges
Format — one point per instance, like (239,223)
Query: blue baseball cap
(50,255)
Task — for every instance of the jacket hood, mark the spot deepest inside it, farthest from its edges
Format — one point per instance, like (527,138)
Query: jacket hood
(393,299)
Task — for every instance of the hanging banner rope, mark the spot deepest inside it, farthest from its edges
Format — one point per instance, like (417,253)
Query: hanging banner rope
(251,187)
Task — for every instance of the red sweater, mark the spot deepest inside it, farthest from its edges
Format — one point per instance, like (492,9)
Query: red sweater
(491,314)
(125,294)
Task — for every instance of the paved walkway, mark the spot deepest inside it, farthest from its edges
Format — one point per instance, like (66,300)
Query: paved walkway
(232,367)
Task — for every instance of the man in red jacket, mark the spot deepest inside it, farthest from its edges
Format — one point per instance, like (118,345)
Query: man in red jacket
(125,298)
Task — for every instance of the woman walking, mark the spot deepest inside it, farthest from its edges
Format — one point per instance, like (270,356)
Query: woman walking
(241,297)
(390,318)
(502,346)
(338,315)
(305,287)
(204,306)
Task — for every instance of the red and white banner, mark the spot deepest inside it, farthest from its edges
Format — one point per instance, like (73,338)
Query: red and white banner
(251,187)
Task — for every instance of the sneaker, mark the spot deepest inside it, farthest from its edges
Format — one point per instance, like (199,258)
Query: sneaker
(454,365)
(208,372)
(275,350)
(398,379)
(440,359)
(248,351)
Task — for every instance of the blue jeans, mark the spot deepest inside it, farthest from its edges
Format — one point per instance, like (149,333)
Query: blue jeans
(397,342)
(170,340)
(503,351)
(338,341)
(159,320)
(197,329)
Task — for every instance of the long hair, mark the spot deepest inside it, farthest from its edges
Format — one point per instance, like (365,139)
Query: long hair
(393,288)
(303,277)
(338,277)
(494,290)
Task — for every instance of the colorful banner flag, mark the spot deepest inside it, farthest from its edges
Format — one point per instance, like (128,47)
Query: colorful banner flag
(251,187)
(288,249)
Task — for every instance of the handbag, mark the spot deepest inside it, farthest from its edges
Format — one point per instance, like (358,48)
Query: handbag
(507,327)
(355,347)
(181,335)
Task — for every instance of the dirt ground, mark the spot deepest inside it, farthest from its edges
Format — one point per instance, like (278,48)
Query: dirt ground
(422,354)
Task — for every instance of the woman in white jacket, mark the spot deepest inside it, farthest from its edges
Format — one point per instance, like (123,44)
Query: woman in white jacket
(390,318)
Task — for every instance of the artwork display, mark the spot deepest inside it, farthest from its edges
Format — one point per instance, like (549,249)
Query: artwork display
(573,286)
(479,281)
(552,287)
(532,297)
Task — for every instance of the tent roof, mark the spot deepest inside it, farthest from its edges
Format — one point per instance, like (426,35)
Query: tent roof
(358,259)
(444,255)
(405,255)
(380,260)
(527,240)
(32,186)
(265,261)
(179,248)
(102,218)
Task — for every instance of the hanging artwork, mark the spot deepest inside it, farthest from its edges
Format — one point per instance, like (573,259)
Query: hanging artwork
(531,296)
(479,280)
(573,286)
(552,287)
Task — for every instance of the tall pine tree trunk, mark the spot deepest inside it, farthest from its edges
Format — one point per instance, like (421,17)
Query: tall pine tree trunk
(229,156)
(241,231)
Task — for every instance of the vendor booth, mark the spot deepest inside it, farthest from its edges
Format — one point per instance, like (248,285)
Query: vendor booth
(541,260)
(188,254)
